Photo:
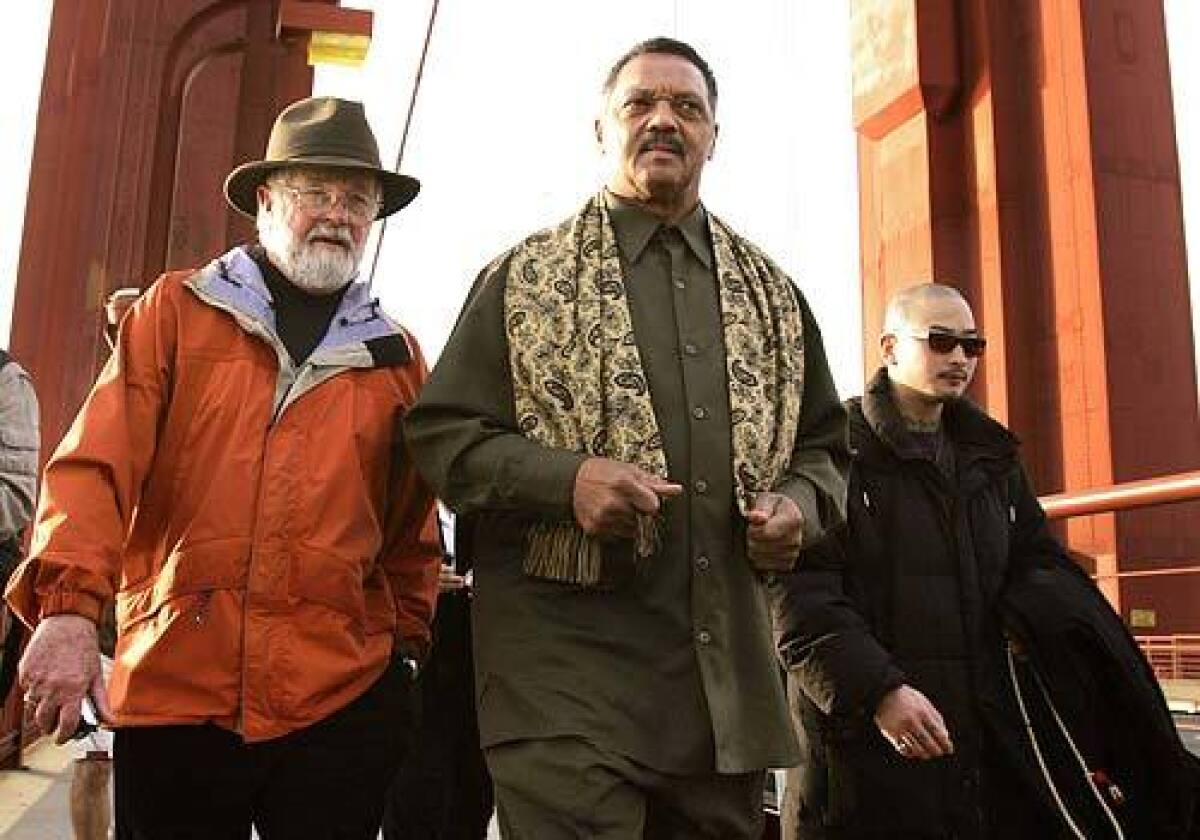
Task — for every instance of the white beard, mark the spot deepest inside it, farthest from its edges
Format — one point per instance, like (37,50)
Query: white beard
(318,269)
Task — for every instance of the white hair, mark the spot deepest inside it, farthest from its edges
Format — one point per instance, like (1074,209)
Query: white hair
(315,270)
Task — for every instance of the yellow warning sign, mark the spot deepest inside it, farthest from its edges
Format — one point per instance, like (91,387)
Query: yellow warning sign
(338,48)
(1143,619)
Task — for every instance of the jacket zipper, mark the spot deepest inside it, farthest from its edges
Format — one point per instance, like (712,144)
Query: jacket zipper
(276,413)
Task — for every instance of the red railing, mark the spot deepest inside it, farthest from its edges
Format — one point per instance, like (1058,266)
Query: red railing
(1168,489)
(1174,657)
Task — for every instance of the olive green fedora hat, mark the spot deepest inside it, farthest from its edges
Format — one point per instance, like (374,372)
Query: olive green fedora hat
(320,131)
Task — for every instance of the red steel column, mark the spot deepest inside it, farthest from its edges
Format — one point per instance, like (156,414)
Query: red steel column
(145,106)
(1024,150)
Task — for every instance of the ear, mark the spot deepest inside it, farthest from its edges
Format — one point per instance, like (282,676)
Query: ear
(887,348)
(712,147)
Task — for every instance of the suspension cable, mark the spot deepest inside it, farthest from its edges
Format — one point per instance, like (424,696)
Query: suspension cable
(412,105)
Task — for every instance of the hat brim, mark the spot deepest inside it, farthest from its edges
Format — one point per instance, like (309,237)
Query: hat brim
(241,187)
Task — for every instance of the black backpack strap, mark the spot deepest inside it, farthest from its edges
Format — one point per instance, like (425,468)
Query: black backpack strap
(10,555)
(10,655)
(10,648)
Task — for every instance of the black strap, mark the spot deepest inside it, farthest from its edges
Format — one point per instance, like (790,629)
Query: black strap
(10,655)
(10,554)
(10,651)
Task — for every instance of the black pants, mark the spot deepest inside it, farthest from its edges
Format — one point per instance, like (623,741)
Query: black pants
(323,782)
(443,790)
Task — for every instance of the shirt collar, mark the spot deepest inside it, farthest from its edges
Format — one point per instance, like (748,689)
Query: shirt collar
(634,228)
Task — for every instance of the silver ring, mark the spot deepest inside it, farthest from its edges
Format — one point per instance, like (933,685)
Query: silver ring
(904,744)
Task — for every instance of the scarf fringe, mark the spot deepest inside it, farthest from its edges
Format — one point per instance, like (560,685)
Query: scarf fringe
(562,552)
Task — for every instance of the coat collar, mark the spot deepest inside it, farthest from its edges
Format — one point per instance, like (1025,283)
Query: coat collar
(356,333)
(974,433)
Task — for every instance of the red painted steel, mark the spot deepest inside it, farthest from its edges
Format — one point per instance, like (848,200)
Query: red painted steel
(1184,487)
(320,15)
(1174,657)
(146,105)
(1024,151)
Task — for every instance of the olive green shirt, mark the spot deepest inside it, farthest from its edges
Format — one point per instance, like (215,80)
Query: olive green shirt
(674,667)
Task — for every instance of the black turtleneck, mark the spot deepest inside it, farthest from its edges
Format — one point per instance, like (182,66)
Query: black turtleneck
(301,318)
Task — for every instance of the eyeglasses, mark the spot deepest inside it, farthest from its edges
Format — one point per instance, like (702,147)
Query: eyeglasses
(944,342)
(361,209)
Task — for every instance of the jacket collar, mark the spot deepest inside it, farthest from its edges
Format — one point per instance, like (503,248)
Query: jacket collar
(974,433)
(358,332)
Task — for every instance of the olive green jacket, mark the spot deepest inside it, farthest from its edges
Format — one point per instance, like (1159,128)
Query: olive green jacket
(673,667)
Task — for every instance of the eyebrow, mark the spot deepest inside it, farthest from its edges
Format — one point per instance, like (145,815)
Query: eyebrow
(940,328)
(685,95)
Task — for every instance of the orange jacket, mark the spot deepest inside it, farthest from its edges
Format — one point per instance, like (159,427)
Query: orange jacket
(261,524)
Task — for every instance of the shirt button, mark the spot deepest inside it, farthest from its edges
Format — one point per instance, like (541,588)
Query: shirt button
(702,563)
(679,283)
(700,412)
(700,485)
(690,349)
(704,637)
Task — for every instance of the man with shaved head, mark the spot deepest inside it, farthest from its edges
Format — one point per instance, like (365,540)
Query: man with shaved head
(891,631)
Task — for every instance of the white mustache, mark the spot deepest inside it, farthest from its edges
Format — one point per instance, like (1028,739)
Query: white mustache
(330,232)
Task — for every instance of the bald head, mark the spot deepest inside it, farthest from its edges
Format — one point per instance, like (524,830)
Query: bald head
(907,308)
(931,348)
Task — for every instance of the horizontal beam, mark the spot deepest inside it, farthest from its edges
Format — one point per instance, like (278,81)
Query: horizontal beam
(1168,489)
(306,16)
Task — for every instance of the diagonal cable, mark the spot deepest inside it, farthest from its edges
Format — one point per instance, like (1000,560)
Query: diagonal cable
(412,104)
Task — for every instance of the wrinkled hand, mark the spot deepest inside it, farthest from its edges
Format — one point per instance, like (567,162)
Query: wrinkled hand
(609,495)
(773,538)
(60,667)
(913,726)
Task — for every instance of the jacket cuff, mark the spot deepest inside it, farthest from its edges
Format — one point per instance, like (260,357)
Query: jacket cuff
(893,679)
(548,483)
(804,493)
(70,602)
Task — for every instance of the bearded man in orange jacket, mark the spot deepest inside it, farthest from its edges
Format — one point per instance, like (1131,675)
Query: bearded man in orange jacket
(237,481)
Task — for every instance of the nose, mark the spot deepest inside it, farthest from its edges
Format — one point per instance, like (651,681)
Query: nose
(338,210)
(662,116)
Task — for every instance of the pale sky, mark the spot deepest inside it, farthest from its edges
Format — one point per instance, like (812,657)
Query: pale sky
(502,136)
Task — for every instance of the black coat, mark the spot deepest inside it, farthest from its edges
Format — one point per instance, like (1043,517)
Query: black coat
(1105,692)
(908,593)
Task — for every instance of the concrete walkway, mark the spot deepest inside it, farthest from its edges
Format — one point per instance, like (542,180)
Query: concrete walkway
(35,801)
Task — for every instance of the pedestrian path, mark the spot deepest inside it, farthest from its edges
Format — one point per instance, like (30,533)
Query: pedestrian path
(35,800)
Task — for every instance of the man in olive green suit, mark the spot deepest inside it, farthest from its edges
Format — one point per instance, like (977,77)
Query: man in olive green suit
(636,422)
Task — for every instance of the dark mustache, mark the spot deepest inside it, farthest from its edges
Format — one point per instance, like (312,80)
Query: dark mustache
(662,138)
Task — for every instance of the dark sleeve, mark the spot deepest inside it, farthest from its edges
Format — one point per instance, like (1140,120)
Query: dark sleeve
(462,432)
(1032,545)
(816,477)
(823,640)
(19,441)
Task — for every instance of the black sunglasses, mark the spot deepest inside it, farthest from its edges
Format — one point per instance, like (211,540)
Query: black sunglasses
(943,343)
